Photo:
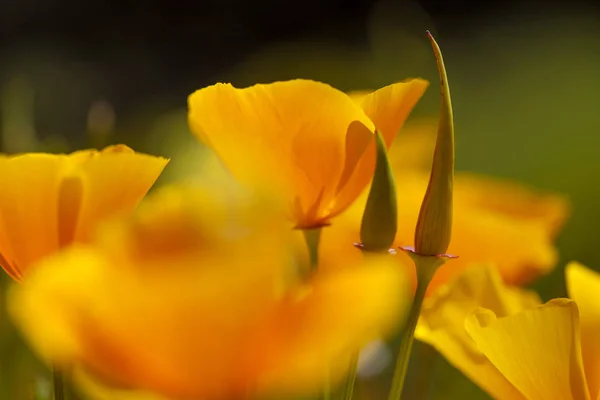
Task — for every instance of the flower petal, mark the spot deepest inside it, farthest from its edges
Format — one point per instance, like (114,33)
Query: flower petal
(442,323)
(96,306)
(537,350)
(114,181)
(515,200)
(289,135)
(312,337)
(388,108)
(28,209)
(583,286)
(96,390)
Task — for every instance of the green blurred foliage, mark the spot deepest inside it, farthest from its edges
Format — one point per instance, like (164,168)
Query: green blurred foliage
(525,91)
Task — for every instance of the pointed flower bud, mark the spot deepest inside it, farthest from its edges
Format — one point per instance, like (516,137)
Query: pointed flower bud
(434,226)
(380,218)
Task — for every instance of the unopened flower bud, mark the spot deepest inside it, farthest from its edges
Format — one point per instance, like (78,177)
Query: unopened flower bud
(434,226)
(380,218)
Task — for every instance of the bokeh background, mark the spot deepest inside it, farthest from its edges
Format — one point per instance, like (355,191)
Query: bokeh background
(525,80)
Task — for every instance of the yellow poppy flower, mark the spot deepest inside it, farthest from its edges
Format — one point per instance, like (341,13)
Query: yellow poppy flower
(306,141)
(513,347)
(197,296)
(495,221)
(49,201)
(442,323)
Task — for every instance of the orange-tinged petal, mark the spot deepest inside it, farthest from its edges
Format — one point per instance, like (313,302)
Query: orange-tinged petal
(206,282)
(442,323)
(102,310)
(113,181)
(518,201)
(388,108)
(291,136)
(96,390)
(106,319)
(537,350)
(312,337)
(28,209)
(583,286)
(50,201)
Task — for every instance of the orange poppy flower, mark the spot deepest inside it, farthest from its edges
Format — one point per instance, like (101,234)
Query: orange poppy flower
(49,201)
(196,296)
(306,141)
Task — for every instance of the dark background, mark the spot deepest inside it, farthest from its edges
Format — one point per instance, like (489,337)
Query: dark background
(132,53)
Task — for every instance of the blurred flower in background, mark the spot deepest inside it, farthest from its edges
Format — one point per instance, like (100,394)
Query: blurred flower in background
(49,202)
(203,277)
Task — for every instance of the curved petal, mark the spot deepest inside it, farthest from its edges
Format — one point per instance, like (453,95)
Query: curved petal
(388,108)
(537,350)
(113,181)
(515,200)
(190,299)
(104,316)
(29,209)
(290,136)
(311,337)
(442,323)
(97,390)
(583,286)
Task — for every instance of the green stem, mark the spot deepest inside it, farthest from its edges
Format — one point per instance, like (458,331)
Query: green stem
(420,385)
(348,388)
(312,237)
(59,385)
(426,267)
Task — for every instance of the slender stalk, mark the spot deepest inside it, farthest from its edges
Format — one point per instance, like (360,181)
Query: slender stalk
(420,385)
(426,267)
(312,238)
(348,388)
(326,395)
(59,385)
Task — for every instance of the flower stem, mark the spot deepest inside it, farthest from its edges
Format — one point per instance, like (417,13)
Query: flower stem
(426,267)
(312,238)
(420,385)
(348,388)
(59,385)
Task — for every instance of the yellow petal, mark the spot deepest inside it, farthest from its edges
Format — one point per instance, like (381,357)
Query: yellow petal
(311,337)
(537,350)
(388,108)
(96,390)
(291,136)
(442,323)
(517,236)
(113,182)
(49,201)
(28,209)
(96,307)
(518,201)
(583,286)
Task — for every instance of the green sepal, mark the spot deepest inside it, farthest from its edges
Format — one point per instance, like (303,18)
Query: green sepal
(380,218)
